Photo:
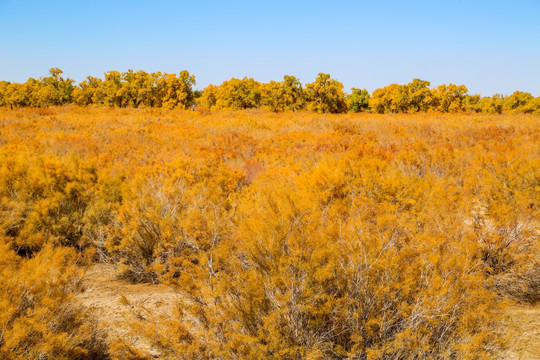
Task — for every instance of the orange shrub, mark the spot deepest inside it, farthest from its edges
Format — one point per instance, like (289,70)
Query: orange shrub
(294,234)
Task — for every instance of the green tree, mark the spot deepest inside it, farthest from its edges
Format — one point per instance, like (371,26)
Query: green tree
(358,100)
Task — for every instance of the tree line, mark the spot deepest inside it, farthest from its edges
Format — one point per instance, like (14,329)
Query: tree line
(324,95)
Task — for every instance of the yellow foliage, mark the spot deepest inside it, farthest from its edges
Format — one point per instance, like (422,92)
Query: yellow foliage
(40,318)
(288,235)
(325,95)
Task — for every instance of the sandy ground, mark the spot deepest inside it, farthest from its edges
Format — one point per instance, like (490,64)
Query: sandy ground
(526,321)
(116,303)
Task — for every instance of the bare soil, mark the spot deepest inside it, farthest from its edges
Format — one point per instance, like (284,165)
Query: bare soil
(526,322)
(117,303)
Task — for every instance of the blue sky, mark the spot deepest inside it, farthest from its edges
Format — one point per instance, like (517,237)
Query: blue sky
(490,46)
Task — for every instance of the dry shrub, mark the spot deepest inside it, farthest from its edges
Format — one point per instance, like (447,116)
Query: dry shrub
(48,200)
(333,267)
(523,286)
(40,318)
(172,214)
(358,236)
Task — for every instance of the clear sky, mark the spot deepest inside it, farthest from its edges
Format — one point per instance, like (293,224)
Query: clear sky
(490,46)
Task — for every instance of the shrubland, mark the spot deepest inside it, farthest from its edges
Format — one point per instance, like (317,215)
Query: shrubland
(289,234)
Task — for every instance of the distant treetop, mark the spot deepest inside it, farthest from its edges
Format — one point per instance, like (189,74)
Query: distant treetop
(324,95)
